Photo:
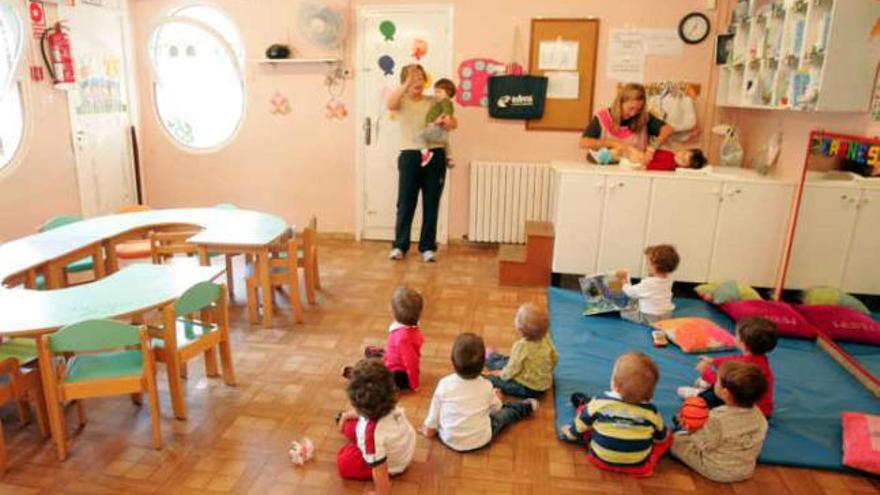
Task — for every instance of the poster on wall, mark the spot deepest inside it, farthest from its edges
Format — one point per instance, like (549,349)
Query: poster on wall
(626,56)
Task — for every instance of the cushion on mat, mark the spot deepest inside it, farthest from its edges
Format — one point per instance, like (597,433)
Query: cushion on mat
(696,334)
(728,291)
(789,321)
(861,441)
(842,323)
(830,295)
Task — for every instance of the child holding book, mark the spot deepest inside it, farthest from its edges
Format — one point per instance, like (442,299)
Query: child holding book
(726,448)
(381,442)
(528,371)
(466,412)
(623,431)
(652,296)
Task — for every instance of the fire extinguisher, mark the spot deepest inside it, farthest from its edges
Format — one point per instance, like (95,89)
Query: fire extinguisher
(58,56)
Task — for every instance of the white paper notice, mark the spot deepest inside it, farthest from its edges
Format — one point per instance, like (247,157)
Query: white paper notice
(563,85)
(558,55)
(662,42)
(626,56)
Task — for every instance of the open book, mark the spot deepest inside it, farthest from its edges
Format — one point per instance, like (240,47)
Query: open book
(603,292)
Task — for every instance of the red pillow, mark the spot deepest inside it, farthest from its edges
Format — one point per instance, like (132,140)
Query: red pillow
(861,441)
(789,321)
(842,323)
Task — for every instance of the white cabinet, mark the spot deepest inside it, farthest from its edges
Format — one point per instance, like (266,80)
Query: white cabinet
(683,212)
(862,274)
(750,232)
(578,201)
(624,216)
(822,240)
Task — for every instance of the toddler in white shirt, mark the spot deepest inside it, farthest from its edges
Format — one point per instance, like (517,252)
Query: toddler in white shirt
(652,296)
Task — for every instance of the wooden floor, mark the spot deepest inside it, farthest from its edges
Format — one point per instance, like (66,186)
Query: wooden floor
(235,439)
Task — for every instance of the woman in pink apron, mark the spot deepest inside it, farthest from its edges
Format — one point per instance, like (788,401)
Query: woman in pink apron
(627,128)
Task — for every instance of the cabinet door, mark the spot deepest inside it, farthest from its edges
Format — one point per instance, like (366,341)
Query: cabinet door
(683,213)
(862,274)
(623,223)
(821,241)
(578,213)
(750,234)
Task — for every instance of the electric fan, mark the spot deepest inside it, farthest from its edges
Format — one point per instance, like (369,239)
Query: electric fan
(322,25)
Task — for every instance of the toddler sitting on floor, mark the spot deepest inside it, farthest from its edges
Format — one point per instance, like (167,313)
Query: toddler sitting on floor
(528,371)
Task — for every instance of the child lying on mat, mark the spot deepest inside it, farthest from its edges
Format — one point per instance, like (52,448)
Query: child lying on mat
(623,430)
(403,350)
(659,160)
(755,337)
(652,296)
(726,449)
(528,372)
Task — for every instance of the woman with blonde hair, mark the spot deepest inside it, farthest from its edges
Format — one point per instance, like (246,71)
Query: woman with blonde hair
(627,128)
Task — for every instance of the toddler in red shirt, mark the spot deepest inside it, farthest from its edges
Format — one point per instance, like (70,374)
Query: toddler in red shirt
(669,160)
(755,337)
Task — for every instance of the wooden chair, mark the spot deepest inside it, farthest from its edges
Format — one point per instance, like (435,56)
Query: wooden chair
(86,264)
(182,337)
(283,270)
(21,385)
(166,244)
(134,249)
(97,358)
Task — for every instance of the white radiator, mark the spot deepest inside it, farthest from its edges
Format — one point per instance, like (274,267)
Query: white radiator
(504,195)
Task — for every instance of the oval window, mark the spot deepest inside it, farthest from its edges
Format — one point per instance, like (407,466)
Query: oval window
(11,107)
(197,58)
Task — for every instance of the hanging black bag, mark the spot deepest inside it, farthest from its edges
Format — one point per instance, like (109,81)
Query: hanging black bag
(517,96)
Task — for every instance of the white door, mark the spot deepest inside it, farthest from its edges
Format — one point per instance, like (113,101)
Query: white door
(623,223)
(99,108)
(579,201)
(750,233)
(683,213)
(388,37)
(822,238)
(862,274)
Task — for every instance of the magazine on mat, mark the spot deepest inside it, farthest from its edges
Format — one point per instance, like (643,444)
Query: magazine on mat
(603,292)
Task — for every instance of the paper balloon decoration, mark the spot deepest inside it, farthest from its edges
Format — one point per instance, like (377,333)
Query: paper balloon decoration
(474,75)
(386,63)
(387,28)
(420,48)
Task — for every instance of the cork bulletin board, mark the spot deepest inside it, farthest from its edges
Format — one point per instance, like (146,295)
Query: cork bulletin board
(564,51)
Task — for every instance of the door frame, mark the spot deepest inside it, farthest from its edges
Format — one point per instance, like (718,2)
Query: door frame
(120,7)
(361,14)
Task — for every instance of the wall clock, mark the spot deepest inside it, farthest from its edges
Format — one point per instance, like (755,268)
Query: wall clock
(694,28)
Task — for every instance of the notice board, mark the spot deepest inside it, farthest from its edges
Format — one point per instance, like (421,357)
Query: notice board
(564,51)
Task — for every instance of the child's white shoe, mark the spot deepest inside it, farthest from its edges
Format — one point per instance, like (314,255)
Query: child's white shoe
(686,392)
(533,404)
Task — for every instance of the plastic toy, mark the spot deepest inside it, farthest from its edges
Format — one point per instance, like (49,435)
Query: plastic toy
(300,452)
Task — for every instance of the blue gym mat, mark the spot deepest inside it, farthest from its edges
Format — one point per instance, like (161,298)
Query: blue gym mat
(867,355)
(811,389)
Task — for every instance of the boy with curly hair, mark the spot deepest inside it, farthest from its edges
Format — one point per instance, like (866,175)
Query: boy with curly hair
(381,442)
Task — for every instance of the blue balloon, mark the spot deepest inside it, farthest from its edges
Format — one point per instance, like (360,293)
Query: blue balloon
(386,63)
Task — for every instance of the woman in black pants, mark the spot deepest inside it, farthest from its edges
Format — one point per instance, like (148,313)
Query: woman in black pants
(412,107)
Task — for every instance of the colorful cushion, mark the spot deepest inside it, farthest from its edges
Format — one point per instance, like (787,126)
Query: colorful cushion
(726,292)
(861,441)
(789,322)
(696,334)
(829,295)
(842,323)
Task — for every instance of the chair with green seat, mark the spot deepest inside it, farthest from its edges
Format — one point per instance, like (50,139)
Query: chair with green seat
(86,264)
(194,325)
(20,384)
(97,358)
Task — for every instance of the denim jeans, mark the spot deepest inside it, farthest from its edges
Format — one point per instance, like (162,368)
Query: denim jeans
(508,414)
(509,387)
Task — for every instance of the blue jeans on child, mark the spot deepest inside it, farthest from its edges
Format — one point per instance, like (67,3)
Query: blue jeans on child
(508,414)
(509,387)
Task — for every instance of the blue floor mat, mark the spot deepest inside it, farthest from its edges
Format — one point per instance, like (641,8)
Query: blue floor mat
(811,389)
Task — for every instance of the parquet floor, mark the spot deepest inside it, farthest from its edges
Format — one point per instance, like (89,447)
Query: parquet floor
(235,439)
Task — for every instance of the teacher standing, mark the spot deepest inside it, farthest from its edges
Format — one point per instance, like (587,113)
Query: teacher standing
(627,128)
(412,106)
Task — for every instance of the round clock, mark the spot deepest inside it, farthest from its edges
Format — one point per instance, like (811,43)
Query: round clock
(693,28)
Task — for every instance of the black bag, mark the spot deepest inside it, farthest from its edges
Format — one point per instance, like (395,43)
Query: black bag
(517,97)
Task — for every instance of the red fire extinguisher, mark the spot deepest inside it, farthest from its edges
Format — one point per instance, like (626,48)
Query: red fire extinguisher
(58,56)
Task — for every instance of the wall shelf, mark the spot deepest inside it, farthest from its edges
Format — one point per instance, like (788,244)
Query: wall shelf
(298,61)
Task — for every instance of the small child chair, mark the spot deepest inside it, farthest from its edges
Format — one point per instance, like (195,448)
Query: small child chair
(105,358)
(20,384)
(86,264)
(182,337)
(133,249)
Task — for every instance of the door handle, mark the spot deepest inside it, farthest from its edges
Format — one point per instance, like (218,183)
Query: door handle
(368,131)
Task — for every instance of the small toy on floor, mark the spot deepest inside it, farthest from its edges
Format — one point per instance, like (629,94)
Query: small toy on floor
(693,414)
(660,338)
(301,451)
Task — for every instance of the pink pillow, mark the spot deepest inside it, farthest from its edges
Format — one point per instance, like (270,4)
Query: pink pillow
(861,441)
(696,334)
(842,323)
(789,321)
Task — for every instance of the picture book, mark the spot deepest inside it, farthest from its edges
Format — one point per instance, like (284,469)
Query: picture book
(603,292)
